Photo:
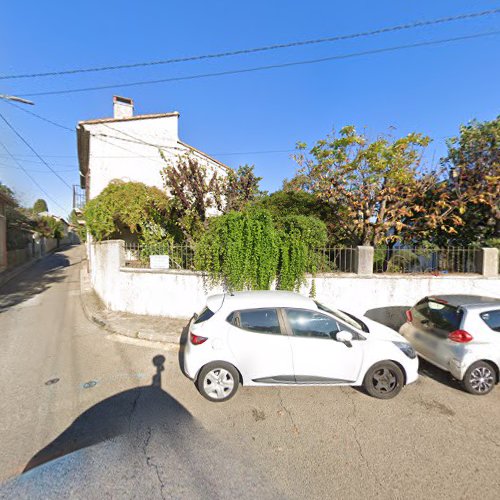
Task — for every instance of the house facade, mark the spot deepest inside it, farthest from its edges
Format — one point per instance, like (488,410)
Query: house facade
(129,147)
(4,202)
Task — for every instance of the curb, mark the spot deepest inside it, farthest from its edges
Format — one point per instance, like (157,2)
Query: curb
(87,296)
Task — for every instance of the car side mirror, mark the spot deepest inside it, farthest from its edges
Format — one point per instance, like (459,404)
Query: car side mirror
(345,338)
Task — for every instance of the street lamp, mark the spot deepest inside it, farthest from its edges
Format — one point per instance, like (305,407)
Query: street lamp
(15,98)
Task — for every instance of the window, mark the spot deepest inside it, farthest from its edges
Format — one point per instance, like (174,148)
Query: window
(260,320)
(343,316)
(437,316)
(204,316)
(312,324)
(492,319)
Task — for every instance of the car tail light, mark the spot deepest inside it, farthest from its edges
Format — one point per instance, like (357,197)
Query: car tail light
(460,336)
(409,316)
(197,340)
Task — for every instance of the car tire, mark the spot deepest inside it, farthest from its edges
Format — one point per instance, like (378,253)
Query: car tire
(384,380)
(218,381)
(480,378)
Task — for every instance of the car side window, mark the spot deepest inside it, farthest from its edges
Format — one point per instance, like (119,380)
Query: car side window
(258,320)
(492,319)
(312,324)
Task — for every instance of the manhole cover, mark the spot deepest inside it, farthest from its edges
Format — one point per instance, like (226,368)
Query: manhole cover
(89,384)
(52,381)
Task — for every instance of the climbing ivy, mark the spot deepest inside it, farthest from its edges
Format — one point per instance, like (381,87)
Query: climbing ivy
(251,250)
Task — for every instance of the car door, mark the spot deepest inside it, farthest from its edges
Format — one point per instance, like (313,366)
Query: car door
(317,356)
(261,346)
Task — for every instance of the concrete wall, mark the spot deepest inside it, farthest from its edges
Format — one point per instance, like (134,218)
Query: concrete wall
(383,298)
(3,242)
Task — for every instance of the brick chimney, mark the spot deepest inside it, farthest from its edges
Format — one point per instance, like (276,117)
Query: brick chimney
(123,107)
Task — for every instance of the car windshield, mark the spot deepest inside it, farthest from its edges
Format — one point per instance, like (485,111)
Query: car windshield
(343,316)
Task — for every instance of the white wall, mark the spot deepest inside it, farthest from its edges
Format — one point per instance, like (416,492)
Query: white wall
(180,293)
(116,151)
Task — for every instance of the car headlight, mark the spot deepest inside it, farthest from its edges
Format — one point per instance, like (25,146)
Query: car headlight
(406,348)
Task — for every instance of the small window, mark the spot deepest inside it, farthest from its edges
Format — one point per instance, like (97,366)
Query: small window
(492,319)
(260,320)
(205,315)
(312,324)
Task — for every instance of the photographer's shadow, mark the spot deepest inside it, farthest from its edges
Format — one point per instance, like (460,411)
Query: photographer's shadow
(124,413)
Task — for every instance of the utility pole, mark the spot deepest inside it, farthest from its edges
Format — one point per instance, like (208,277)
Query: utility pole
(15,98)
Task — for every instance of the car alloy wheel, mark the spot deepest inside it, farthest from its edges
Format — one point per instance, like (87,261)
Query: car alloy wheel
(384,380)
(218,381)
(479,378)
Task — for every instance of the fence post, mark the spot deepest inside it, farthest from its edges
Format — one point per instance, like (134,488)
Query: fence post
(487,262)
(364,260)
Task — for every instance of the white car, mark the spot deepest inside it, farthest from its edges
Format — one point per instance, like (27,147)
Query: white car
(283,338)
(459,334)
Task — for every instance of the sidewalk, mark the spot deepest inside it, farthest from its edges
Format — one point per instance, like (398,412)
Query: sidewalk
(151,328)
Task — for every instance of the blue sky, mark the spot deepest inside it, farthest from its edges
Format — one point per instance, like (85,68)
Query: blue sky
(427,89)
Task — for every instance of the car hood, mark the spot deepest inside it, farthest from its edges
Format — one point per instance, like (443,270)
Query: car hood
(378,331)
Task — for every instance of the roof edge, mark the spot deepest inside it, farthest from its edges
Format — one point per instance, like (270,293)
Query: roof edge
(128,119)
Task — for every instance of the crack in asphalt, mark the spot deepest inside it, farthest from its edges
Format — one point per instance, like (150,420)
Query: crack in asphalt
(289,413)
(149,461)
(356,437)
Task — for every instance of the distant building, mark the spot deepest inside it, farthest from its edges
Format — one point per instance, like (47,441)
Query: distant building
(127,147)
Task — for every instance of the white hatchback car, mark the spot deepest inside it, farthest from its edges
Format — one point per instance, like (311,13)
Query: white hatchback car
(283,338)
(459,334)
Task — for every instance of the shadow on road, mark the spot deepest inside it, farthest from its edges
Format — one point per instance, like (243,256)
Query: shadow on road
(114,417)
(427,369)
(33,281)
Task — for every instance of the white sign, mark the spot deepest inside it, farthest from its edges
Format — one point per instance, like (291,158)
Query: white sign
(159,262)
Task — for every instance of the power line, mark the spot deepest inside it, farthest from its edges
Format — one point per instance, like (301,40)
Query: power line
(390,29)
(41,117)
(34,151)
(261,68)
(32,178)
(4,165)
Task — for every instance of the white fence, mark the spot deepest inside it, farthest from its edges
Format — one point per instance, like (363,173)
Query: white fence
(180,293)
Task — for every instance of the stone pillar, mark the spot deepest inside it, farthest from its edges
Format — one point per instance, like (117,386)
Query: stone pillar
(487,262)
(364,260)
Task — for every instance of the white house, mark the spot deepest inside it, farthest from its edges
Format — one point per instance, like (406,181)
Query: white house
(127,147)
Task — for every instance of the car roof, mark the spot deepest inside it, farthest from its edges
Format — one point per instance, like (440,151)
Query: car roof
(266,298)
(466,300)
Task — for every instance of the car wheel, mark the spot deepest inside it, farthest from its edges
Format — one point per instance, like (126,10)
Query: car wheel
(218,381)
(479,378)
(384,380)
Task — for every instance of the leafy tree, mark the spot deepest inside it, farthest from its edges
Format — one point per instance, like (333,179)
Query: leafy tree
(289,201)
(240,188)
(473,163)
(373,186)
(49,227)
(198,192)
(133,206)
(250,250)
(40,206)
(194,191)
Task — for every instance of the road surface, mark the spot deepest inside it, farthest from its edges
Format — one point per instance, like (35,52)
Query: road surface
(125,422)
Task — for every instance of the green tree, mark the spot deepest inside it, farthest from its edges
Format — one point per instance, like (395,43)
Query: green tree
(240,188)
(372,185)
(473,164)
(251,250)
(130,206)
(40,206)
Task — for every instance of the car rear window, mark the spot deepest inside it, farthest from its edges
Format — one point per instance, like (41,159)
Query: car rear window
(442,316)
(205,315)
(260,320)
(492,319)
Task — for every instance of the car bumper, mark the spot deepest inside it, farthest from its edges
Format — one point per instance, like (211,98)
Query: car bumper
(411,368)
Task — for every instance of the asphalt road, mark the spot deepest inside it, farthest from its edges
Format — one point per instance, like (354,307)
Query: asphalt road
(125,422)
